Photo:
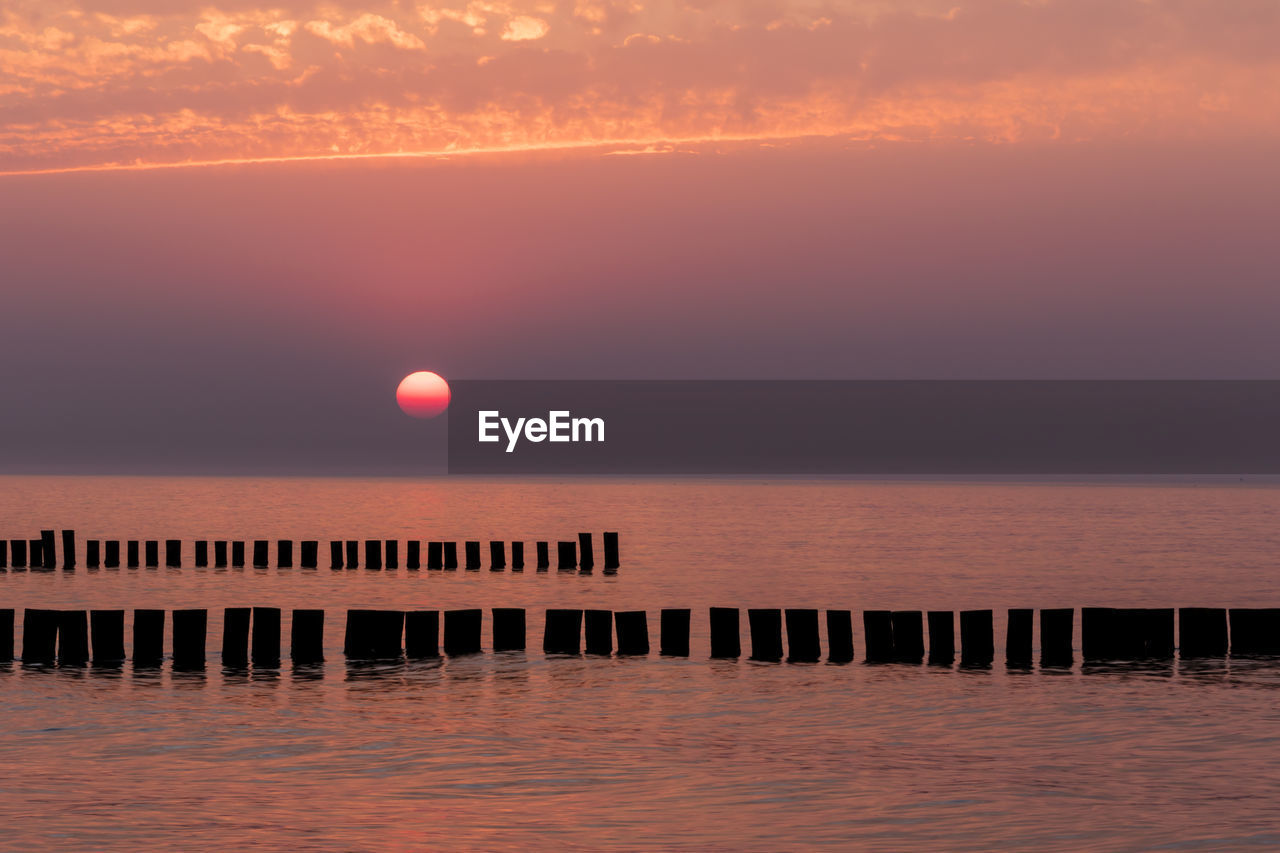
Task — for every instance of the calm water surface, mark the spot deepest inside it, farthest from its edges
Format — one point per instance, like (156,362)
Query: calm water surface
(522,751)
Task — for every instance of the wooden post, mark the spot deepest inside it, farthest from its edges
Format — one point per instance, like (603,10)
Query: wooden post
(106,628)
(598,627)
(1202,632)
(92,554)
(202,553)
(610,551)
(450,556)
(473,556)
(1017,641)
(422,634)
(18,547)
(173,553)
(566,556)
(260,553)
(131,554)
(237,554)
(284,553)
(335,553)
(148,638)
(49,557)
(35,554)
(373,634)
(1158,633)
(1056,637)
(435,555)
(413,554)
(462,632)
(1254,631)
(942,637)
(632,627)
(908,636)
(726,641)
(306,636)
(235,636)
(310,554)
(977,638)
(112,558)
(69,550)
(391,549)
(766,634)
(1097,633)
(803,643)
(1129,630)
(353,554)
(877,630)
(6,635)
(497,556)
(220,554)
(586,554)
(673,632)
(508,629)
(373,554)
(544,557)
(4,553)
(562,633)
(517,556)
(39,635)
(73,638)
(839,636)
(190,630)
(152,551)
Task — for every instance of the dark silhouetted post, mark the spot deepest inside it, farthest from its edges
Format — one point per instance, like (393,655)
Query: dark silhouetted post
(373,554)
(335,554)
(839,636)
(726,640)
(152,553)
(1202,632)
(450,556)
(673,632)
(18,547)
(766,634)
(517,556)
(284,553)
(35,554)
(632,627)
(566,556)
(39,635)
(392,551)
(562,634)
(422,634)
(586,553)
(435,555)
(1017,640)
(202,553)
(237,554)
(306,636)
(942,637)
(877,629)
(1254,631)
(190,630)
(473,556)
(112,558)
(261,555)
(977,638)
(508,629)
(598,627)
(908,635)
(148,638)
(173,553)
(610,551)
(544,556)
(6,635)
(235,636)
(49,559)
(266,636)
(1097,633)
(1056,636)
(73,638)
(353,554)
(374,634)
(803,643)
(1158,633)
(413,554)
(461,632)
(131,554)
(220,554)
(497,556)
(4,553)
(310,554)
(92,554)
(69,551)
(107,631)
(1129,625)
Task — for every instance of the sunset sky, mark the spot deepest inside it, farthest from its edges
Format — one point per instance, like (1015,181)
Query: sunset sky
(1048,188)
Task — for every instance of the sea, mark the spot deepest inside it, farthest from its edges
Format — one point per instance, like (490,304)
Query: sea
(526,751)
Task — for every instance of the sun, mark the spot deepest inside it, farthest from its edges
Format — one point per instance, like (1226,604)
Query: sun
(423,394)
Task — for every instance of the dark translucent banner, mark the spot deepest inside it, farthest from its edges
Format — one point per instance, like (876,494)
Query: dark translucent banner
(864,427)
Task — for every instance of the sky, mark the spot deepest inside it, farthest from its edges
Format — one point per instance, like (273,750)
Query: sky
(227,231)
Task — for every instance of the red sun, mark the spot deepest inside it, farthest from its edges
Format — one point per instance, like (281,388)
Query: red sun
(423,394)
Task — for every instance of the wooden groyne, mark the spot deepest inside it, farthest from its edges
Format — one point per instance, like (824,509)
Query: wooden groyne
(252,635)
(41,553)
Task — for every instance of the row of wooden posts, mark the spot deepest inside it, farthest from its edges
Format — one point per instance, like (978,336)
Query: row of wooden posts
(73,637)
(343,554)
